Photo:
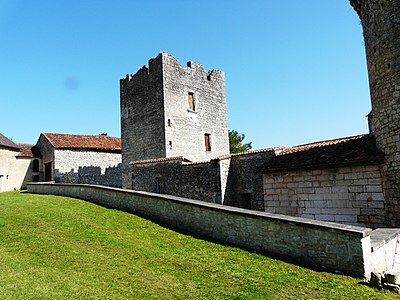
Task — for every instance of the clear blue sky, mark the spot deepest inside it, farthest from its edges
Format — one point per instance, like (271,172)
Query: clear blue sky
(295,70)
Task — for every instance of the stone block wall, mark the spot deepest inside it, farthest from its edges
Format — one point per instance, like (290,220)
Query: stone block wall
(334,246)
(142,113)
(381,26)
(83,166)
(186,127)
(157,120)
(244,186)
(199,181)
(349,195)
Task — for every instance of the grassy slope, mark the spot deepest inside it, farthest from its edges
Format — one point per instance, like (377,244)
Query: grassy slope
(62,248)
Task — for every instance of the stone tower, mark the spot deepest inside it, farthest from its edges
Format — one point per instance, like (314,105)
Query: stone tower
(169,110)
(381,25)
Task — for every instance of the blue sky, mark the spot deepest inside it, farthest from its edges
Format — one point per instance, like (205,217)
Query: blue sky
(295,70)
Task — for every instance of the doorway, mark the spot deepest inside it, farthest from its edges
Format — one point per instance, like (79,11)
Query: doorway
(47,171)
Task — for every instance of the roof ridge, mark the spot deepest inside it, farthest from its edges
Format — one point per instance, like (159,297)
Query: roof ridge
(302,147)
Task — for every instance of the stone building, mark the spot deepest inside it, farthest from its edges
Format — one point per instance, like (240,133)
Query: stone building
(336,180)
(71,158)
(19,164)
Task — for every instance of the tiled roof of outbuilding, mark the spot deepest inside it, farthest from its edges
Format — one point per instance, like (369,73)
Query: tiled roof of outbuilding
(354,150)
(7,143)
(28,150)
(75,141)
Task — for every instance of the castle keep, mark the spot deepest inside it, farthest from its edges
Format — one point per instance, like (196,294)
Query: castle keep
(169,110)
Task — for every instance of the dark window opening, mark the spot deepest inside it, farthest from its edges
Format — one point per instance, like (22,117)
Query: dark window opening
(48,171)
(159,185)
(35,165)
(169,122)
(170,144)
(36,178)
(191,101)
(244,201)
(207,142)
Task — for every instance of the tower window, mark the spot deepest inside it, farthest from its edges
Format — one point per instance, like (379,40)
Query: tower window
(169,122)
(207,142)
(191,101)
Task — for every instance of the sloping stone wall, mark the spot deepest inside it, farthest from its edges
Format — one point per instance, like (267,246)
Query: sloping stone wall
(334,246)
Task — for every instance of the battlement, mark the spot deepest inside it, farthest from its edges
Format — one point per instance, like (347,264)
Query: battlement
(162,59)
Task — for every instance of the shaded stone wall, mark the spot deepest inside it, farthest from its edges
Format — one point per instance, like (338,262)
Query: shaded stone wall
(142,115)
(47,152)
(194,181)
(349,195)
(381,25)
(245,183)
(333,246)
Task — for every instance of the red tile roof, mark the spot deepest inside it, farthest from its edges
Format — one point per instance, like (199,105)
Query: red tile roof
(75,141)
(157,160)
(28,150)
(356,150)
(7,143)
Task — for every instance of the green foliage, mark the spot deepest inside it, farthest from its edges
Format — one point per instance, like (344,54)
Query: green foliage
(236,142)
(104,133)
(62,248)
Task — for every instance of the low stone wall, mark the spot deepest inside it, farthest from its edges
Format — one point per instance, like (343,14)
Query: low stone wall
(321,244)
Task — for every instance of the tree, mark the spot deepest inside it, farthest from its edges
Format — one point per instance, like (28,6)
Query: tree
(235,142)
(104,133)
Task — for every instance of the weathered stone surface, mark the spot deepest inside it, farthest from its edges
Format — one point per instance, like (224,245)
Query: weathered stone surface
(342,195)
(157,120)
(381,25)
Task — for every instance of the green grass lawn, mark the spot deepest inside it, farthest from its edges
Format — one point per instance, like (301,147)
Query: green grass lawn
(62,248)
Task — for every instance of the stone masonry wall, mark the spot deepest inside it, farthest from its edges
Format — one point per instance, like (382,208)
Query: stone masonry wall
(47,152)
(381,25)
(245,183)
(349,195)
(142,115)
(334,246)
(194,181)
(186,127)
(83,166)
